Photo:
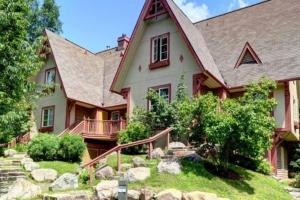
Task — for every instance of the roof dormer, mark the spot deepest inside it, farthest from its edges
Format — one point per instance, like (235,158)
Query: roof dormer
(248,56)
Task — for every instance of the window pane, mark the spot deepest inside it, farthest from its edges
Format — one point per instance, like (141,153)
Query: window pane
(164,41)
(115,116)
(164,93)
(51,117)
(155,50)
(45,118)
(50,77)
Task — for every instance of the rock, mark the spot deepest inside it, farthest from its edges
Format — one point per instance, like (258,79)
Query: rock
(22,189)
(199,196)
(192,157)
(72,195)
(10,152)
(157,153)
(177,145)
(169,166)
(126,166)
(105,190)
(29,166)
(42,175)
(146,194)
(137,174)
(138,162)
(171,194)
(65,182)
(26,160)
(105,173)
(133,195)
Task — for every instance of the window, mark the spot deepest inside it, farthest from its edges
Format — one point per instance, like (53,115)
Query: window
(50,76)
(164,92)
(115,116)
(48,117)
(160,51)
(156,7)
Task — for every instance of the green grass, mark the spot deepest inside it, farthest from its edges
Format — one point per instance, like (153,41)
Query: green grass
(60,167)
(195,177)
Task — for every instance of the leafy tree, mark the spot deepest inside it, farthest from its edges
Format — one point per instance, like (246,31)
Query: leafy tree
(43,17)
(18,63)
(241,126)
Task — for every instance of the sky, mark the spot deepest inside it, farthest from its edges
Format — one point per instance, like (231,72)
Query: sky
(96,24)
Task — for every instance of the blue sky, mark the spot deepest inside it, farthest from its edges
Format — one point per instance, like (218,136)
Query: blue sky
(95,24)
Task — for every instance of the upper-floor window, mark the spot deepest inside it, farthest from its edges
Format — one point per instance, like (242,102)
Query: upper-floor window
(115,116)
(156,8)
(50,76)
(160,51)
(163,91)
(48,117)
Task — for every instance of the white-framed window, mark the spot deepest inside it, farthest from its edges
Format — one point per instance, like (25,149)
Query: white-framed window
(115,116)
(156,8)
(164,92)
(48,117)
(160,48)
(50,76)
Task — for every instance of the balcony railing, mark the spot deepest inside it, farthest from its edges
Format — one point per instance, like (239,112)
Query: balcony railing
(102,128)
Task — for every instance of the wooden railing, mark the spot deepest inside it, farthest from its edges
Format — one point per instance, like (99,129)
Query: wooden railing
(73,129)
(103,127)
(119,148)
(22,139)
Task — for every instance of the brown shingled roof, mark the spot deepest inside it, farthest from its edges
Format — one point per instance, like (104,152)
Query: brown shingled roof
(84,75)
(273,30)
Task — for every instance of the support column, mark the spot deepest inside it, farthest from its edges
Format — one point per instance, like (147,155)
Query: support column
(150,150)
(119,160)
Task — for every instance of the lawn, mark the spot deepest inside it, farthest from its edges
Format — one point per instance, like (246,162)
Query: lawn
(253,186)
(60,166)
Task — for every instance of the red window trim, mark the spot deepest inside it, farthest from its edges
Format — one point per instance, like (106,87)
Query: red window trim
(50,128)
(163,63)
(148,16)
(169,86)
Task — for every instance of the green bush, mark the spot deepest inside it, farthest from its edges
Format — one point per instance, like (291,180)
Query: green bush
(44,147)
(135,131)
(264,167)
(84,177)
(71,148)
(21,148)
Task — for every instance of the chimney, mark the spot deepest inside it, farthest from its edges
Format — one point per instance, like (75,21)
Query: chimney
(123,42)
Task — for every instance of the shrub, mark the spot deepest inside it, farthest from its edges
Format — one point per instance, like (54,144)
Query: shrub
(135,131)
(264,167)
(21,148)
(71,148)
(84,176)
(44,147)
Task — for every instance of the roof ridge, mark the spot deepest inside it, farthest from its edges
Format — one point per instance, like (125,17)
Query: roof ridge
(109,49)
(67,40)
(233,11)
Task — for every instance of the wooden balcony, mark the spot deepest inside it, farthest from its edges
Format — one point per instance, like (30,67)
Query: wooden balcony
(106,130)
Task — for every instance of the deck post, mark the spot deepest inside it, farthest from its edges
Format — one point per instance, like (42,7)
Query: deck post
(119,160)
(88,125)
(168,140)
(150,150)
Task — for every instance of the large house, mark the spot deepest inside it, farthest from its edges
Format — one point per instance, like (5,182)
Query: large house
(221,54)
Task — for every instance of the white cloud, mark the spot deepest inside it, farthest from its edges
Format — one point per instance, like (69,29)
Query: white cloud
(237,4)
(193,11)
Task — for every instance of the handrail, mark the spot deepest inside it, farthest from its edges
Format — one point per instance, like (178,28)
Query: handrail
(124,146)
(69,129)
(24,139)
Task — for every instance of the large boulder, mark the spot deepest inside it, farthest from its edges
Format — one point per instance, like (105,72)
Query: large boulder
(105,173)
(157,153)
(22,189)
(29,166)
(106,190)
(170,194)
(41,175)
(169,166)
(137,174)
(65,182)
(133,195)
(177,145)
(138,162)
(10,152)
(199,196)
(146,194)
(71,195)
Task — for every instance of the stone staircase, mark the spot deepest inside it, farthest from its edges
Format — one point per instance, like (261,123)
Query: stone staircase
(10,171)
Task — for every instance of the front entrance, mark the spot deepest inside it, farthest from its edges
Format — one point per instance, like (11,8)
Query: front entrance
(282,162)
(82,112)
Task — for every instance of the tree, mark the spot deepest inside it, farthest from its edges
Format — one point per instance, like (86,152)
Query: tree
(241,126)
(19,62)
(43,17)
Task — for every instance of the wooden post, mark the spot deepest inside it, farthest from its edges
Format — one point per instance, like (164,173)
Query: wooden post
(119,160)
(168,140)
(88,125)
(150,150)
(91,174)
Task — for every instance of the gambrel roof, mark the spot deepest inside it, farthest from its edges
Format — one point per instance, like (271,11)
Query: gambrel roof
(85,76)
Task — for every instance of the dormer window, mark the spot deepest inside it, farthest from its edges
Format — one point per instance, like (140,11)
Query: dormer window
(156,8)
(160,51)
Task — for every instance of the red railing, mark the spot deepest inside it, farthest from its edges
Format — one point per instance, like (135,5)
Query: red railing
(103,127)
(22,139)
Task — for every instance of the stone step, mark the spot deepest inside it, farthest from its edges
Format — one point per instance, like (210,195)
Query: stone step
(72,195)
